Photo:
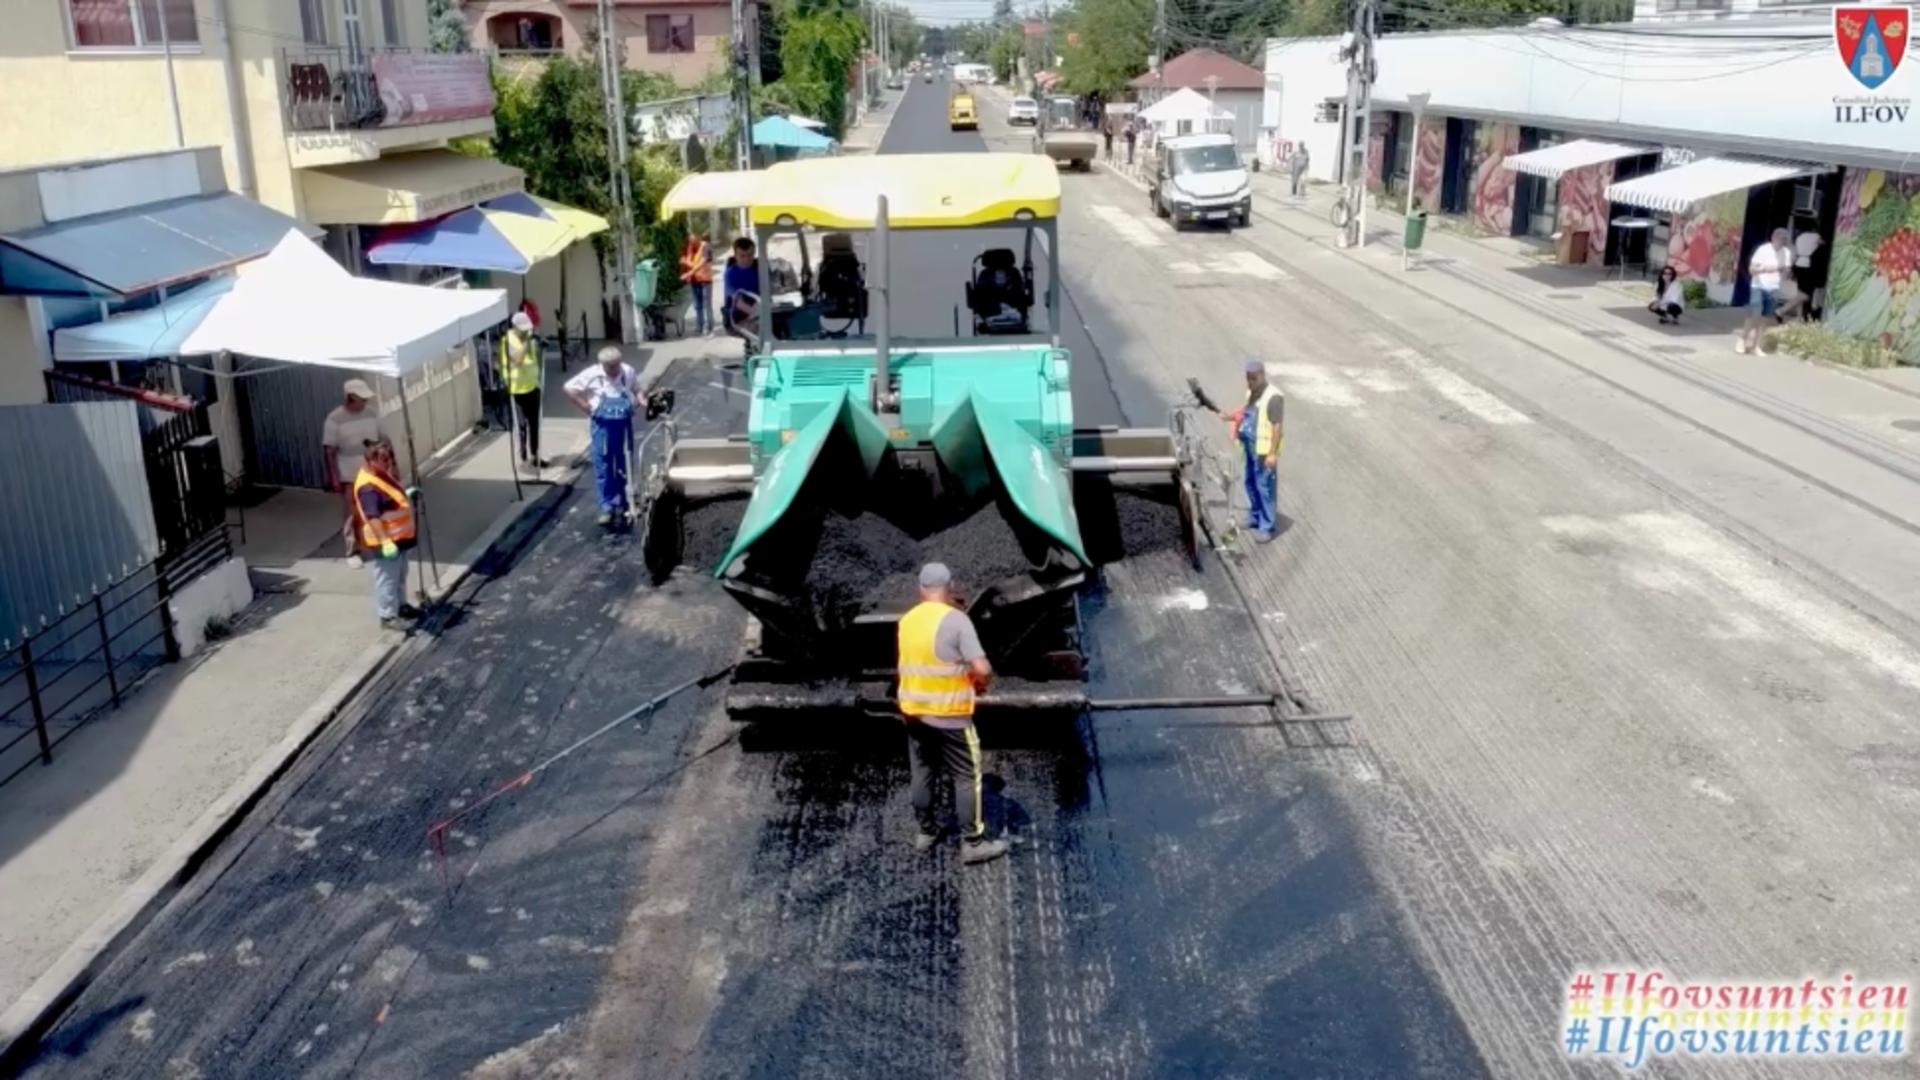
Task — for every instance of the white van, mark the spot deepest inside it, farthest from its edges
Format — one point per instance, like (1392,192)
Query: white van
(971,73)
(1200,178)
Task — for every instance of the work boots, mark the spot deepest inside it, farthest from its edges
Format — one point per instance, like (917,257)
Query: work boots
(982,850)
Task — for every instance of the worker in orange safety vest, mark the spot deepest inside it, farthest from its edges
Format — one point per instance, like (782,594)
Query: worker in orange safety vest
(942,667)
(384,512)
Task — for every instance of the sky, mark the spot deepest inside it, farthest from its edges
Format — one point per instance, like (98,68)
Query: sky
(949,12)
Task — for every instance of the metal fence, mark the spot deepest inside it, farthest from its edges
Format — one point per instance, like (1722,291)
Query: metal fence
(79,516)
(328,89)
(76,667)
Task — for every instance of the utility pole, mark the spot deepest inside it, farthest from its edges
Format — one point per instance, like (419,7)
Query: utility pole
(860,94)
(620,181)
(173,92)
(743,53)
(1357,49)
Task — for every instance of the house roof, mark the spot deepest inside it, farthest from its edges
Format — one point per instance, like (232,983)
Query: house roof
(1191,69)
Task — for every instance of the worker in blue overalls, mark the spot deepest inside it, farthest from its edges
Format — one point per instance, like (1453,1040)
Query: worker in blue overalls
(1258,426)
(608,393)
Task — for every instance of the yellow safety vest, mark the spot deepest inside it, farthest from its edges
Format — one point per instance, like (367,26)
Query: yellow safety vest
(930,686)
(523,375)
(396,524)
(1266,438)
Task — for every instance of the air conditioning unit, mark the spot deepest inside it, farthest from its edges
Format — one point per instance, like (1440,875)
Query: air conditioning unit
(1806,200)
(1328,112)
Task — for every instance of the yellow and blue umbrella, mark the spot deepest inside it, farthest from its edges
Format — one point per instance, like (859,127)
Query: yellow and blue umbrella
(509,234)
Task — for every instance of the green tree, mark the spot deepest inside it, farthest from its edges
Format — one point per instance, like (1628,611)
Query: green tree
(1108,44)
(446,26)
(1004,54)
(820,41)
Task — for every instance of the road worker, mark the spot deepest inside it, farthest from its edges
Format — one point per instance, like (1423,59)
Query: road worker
(1258,424)
(942,667)
(522,371)
(609,392)
(385,515)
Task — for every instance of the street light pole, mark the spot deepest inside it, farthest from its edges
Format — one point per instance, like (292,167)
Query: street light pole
(1419,103)
(173,92)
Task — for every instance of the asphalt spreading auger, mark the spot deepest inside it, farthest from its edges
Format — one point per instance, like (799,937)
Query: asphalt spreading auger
(865,457)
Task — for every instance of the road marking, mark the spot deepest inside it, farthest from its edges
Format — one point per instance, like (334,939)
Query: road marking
(1129,228)
(1459,391)
(1242,263)
(1705,556)
(1314,383)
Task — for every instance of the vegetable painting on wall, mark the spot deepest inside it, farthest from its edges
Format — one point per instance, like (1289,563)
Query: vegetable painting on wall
(1493,185)
(1705,245)
(1873,284)
(1377,153)
(1430,147)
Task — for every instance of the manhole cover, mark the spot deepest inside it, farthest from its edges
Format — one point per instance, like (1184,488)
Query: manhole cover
(1563,296)
(1907,425)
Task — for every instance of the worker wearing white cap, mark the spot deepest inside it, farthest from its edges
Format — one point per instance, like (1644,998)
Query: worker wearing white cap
(609,392)
(344,439)
(521,369)
(1259,425)
(942,667)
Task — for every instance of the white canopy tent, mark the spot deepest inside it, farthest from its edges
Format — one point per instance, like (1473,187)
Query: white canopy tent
(1186,106)
(297,305)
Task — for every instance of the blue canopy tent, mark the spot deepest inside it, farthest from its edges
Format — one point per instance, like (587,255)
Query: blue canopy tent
(785,139)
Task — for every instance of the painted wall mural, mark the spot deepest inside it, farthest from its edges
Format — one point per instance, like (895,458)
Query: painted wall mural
(1584,207)
(1705,245)
(1377,153)
(1431,150)
(1493,185)
(1873,282)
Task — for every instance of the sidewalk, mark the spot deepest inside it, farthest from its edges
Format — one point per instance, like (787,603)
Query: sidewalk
(88,843)
(1597,302)
(864,137)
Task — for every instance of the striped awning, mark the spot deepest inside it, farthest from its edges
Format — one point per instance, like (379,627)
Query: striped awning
(1551,161)
(1676,190)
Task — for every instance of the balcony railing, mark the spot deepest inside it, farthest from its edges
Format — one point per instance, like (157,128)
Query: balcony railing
(340,89)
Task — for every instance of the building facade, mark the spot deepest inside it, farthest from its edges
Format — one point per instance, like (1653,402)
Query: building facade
(684,40)
(1668,141)
(1227,83)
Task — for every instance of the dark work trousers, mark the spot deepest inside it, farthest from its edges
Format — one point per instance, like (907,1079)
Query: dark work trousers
(528,406)
(933,753)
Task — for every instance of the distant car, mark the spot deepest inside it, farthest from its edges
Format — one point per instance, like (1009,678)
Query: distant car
(1024,110)
(928,77)
(896,83)
(960,113)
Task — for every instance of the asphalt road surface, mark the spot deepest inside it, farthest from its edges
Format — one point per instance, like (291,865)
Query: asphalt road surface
(1591,727)
(673,903)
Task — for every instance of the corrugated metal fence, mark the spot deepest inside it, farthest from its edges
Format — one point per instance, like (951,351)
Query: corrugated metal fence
(78,518)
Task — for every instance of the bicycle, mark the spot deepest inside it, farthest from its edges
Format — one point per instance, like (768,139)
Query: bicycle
(1342,212)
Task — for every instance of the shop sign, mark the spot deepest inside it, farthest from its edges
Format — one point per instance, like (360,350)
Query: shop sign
(431,88)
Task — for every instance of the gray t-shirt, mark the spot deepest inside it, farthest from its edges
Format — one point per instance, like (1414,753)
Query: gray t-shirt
(955,642)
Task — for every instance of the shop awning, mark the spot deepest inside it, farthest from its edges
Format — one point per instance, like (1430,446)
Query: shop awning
(140,248)
(405,188)
(153,332)
(297,305)
(1676,190)
(1551,161)
(511,235)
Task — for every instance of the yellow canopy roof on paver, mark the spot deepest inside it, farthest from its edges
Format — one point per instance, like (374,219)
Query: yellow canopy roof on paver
(924,191)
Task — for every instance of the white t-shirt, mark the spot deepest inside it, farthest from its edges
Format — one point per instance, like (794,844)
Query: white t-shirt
(348,433)
(1765,266)
(599,388)
(1674,295)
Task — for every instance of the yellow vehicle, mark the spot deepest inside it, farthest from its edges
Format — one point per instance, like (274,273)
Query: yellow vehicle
(960,113)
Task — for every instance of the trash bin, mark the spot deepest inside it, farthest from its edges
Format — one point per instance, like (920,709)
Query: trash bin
(646,281)
(1416,230)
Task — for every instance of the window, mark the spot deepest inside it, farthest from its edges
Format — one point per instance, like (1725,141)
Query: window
(110,24)
(313,21)
(390,21)
(669,33)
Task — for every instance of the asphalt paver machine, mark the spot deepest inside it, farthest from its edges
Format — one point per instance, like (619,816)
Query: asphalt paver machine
(865,455)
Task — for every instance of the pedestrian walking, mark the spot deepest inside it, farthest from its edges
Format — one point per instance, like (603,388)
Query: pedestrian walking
(344,436)
(524,373)
(942,667)
(608,393)
(1297,169)
(1106,138)
(696,269)
(1258,424)
(1131,136)
(384,514)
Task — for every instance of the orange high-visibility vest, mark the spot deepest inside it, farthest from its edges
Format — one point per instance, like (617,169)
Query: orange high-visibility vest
(930,686)
(396,524)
